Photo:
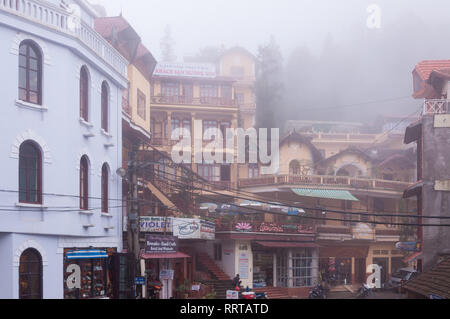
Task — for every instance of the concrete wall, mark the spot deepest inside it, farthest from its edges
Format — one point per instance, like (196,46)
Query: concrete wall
(59,133)
(436,167)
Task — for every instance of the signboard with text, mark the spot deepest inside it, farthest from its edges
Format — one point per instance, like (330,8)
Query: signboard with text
(189,228)
(161,244)
(156,224)
(196,70)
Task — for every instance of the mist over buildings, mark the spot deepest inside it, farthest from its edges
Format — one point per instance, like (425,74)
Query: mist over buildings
(333,66)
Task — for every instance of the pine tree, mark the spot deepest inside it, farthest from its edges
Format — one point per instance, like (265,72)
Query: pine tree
(167,46)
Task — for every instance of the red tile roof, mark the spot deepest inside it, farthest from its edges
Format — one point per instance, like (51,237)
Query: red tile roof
(425,68)
(434,282)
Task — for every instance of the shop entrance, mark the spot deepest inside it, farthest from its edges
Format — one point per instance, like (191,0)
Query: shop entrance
(338,271)
(383,263)
(262,269)
(360,270)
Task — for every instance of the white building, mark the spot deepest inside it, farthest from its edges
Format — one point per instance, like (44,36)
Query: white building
(60,146)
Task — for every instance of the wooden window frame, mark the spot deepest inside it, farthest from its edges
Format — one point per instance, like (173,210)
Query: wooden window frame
(105,106)
(30,45)
(28,275)
(105,189)
(141,109)
(84,183)
(84,93)
(27,168)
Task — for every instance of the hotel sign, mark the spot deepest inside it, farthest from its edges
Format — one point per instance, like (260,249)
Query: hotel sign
(187,228)
(196,70)
(156,224)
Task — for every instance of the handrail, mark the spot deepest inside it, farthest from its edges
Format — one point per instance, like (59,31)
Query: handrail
(323,180)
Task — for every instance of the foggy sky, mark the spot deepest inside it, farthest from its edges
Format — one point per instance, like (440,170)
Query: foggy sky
(331,57)
(249,23)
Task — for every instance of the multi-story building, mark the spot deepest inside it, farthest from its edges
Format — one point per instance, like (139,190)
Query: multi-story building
(431,131)
(60,147)
(341,190)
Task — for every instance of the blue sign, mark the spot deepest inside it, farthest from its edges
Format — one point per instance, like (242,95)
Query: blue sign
(139,281)
(436,297)
(408,246)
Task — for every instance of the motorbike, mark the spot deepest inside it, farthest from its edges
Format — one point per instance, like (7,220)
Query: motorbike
(154,288)
(364,291)
(250,295)
(318,292)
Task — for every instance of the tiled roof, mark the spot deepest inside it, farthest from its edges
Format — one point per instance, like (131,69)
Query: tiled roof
(425,68)
(433,282)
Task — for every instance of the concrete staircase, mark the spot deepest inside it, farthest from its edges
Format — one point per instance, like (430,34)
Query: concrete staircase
(208,263)
(274,292)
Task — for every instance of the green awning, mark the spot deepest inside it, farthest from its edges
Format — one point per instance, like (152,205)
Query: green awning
(325,193)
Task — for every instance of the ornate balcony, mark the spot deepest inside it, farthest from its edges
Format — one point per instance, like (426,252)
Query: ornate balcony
(323,181)
(195,101)
(59,19)
(436,107)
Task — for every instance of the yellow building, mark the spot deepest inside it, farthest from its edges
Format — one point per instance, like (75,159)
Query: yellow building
(216,95)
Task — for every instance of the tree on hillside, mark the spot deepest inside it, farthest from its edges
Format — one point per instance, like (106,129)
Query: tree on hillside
(269,85)
(208,54)
(167,45)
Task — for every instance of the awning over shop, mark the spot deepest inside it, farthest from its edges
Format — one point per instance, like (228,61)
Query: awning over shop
(165,256)
(275,244)
(344,252)
(87,254)
(325,193)
(412,257)
(413,190)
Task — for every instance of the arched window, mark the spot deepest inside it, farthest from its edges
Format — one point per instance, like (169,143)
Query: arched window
(84,183)
(30,174)
(30,275)
(84,94)
(294,168)
(30,73)
(105,106)
(105,180)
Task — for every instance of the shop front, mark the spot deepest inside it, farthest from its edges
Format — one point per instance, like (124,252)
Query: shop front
(88,273)
(343,265)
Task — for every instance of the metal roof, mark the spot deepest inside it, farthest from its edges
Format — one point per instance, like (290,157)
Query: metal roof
(325,193)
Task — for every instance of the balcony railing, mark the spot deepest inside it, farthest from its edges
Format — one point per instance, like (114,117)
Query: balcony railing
(319,180)
(46,13)
(436,107)
(263,227)
(201,101)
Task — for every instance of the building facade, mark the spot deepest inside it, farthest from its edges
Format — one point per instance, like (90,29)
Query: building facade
(430,132)
(60,147)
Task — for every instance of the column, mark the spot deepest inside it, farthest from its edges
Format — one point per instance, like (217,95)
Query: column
(353,271)
(275,279)
(315,266)
(290,271)
(169,126)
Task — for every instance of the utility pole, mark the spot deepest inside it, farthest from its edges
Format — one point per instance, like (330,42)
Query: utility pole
(133,213)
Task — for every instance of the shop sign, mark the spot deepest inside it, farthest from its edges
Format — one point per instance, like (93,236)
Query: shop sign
(197,70)
(408,246)
(270,228)
(243,265)
(166,274)
(161,244)
(185,228)
(232,294)
(363,231)
(139,281)
(156,224)
(207,230)
(244,227)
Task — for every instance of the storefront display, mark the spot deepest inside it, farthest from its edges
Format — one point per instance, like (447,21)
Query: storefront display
(262,269)
(86,274)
